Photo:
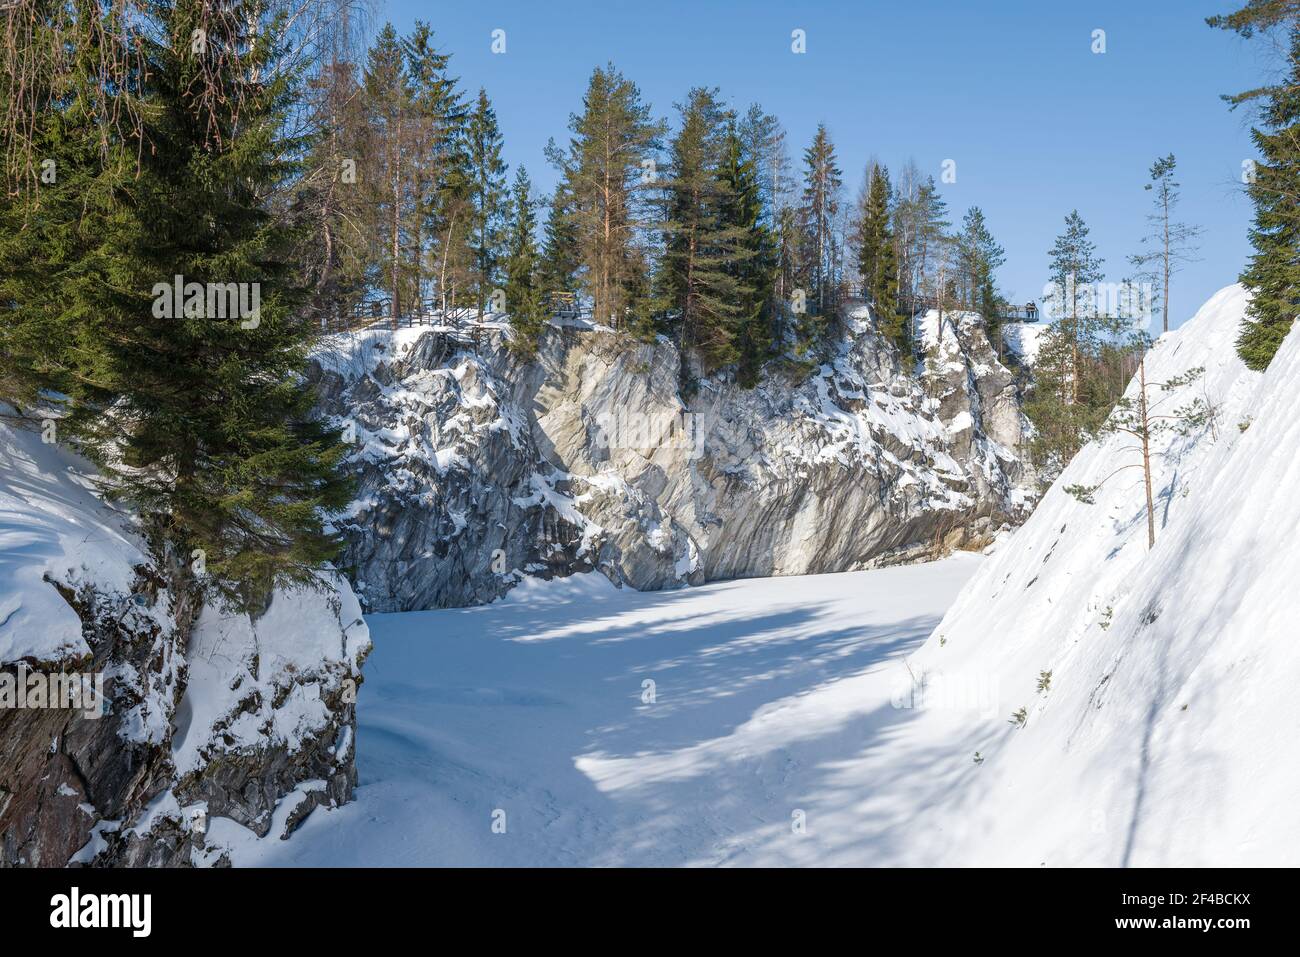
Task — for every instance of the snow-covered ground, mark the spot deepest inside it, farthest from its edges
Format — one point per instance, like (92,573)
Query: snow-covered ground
(1084,701)
(770,697)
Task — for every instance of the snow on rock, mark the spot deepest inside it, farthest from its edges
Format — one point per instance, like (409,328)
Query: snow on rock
(477,469)
(53,530)
(204,711)
(1024,340)
(1157,686)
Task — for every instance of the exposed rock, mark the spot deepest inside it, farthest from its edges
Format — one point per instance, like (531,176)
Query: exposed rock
(205,713)
(477,468)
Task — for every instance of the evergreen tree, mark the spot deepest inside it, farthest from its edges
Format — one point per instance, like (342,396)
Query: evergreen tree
(523,291)
(931,242)
(560,261)
(196,415)
(1079,370)
(487,205)
(1169,244)
(609,177)
(753,257)
(437,176)
(699,243)
(821,206)
(51,223)
(388,104)
(1075,269)
(877,266)
(979,257)
(1273,275)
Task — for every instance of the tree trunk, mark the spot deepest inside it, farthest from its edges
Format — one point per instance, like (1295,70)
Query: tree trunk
(1146,450)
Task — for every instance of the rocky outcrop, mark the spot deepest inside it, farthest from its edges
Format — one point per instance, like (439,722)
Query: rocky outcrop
(203,717)
(185,714)
(476,468)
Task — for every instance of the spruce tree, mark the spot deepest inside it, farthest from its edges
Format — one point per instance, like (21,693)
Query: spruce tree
(198,416)
(560,262)
(752,256)
(821,206)
(388,104)
(877,266)
(52,218)
(487,184)
(523,292)
(698,241)
(1273,275)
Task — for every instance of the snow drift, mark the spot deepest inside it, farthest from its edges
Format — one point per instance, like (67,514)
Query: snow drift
(1159,722)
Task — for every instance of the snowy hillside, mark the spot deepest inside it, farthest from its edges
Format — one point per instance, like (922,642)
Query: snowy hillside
(205,713)
(1157,687)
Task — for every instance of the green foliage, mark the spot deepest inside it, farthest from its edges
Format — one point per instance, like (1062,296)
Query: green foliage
(877,262)
(605,202)
(487,197)
(1273,275)
(817,222)
(201,420)
(523,292)
(1085,358)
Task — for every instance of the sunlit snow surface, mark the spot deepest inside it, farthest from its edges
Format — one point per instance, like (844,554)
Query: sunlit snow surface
(771,697)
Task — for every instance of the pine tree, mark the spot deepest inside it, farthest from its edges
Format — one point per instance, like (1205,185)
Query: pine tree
(1075,268)
(198,416)
(487,173)
(609,177)
(1078,373)
(877,266)
(523,292)
(1170,243)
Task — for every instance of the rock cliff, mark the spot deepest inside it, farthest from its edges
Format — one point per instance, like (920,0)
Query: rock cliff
(477,468)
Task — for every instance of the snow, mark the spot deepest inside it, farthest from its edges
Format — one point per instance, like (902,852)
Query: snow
(770,696)
(827,720)
(253,685)
(1167,734)
(53,528)
(1024,339)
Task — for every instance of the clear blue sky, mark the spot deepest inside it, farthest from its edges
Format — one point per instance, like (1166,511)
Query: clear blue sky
(1037,123)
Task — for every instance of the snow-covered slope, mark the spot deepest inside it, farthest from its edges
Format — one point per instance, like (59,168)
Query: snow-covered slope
(206,713)
(1166,734)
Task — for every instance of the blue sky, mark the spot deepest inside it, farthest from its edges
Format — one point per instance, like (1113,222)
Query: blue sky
(1010,90)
